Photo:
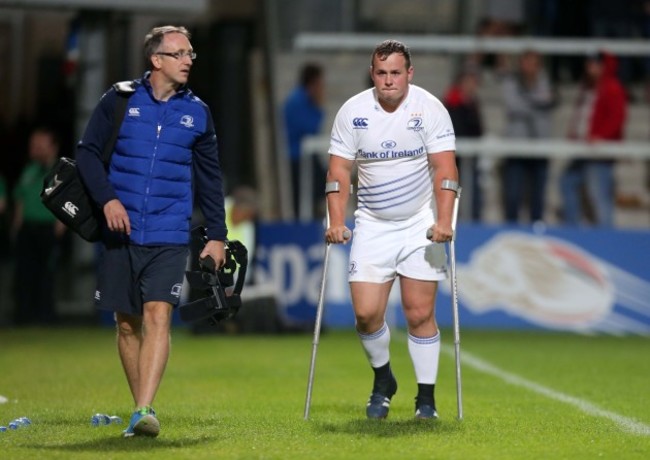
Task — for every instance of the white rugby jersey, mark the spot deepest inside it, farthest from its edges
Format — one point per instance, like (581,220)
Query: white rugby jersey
(395,181)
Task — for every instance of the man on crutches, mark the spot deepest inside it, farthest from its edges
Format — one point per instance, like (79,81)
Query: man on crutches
(402,141)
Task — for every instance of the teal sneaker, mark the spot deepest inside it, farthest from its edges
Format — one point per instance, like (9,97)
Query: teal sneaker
(143,423)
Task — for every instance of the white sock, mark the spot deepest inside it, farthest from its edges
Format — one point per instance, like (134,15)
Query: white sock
(425,354)
(376,346)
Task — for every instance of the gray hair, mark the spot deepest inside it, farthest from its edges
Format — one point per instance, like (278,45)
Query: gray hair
(155,37)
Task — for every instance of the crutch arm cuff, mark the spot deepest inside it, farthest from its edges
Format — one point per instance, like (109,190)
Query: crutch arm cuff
(448,184)
(331,187)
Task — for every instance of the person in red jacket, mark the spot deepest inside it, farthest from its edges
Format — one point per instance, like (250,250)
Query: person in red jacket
(599,115)
(462,103)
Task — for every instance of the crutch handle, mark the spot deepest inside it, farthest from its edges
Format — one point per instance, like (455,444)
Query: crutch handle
(452,185)
(335,187)
(346,237)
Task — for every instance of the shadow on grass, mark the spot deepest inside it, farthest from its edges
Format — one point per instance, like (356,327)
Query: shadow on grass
(389,428)
(120,444)
(176,437)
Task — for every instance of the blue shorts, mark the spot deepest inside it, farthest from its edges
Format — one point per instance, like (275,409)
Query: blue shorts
(129,276)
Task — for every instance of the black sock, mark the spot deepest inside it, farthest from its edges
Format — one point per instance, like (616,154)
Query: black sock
(425,394)
(383,382)
(383,372)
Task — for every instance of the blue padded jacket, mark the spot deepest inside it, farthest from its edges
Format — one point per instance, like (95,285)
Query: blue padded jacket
(163,151)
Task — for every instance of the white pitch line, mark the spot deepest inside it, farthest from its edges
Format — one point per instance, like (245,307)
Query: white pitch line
(625,423)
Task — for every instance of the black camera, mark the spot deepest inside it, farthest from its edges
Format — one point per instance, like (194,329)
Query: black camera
(220,289)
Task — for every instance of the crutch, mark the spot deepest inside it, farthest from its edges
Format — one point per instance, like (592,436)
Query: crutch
(454,187)
(330,187)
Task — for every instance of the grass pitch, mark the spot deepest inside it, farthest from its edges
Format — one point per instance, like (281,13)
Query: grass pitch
(526,395)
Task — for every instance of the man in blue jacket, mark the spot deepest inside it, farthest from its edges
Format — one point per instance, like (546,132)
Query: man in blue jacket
(165,149)
(303,115)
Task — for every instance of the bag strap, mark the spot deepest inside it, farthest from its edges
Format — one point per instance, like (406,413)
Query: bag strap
(124,90)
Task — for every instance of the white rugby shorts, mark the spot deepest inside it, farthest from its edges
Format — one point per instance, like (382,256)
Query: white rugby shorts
(382,250)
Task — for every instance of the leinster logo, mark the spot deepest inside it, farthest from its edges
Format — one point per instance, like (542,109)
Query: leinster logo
(176,290)
(187,121)
(415,124)
(388,144)
(360,123)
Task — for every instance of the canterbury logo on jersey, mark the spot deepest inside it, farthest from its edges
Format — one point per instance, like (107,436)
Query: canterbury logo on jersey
(360,123)
(134,112)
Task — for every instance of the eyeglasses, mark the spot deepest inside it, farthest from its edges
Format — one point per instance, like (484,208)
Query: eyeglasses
(179,54)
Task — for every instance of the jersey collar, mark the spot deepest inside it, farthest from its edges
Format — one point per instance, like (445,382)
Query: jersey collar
(403,106)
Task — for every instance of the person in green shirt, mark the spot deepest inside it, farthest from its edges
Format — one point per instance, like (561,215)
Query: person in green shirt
(36,233)
(241,217)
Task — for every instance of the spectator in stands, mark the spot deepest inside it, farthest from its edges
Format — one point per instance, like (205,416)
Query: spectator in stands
(303,116)
(37,234)
(528,99)
(499,18)
(619,20)
(599,115)
(557,18)
(462,103)
(504,18)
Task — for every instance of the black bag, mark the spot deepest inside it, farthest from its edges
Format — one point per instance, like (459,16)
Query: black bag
(65,195)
